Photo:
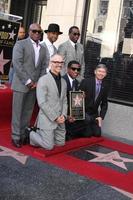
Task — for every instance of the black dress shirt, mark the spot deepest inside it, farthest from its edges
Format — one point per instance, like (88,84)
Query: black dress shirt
(58,81)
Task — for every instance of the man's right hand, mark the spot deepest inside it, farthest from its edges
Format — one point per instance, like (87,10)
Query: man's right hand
(60,119)
(31,85)
(71,119)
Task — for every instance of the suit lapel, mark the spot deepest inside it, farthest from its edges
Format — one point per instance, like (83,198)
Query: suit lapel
(31,49)
(71,48)
(93,89)
(53,83)
(68,83)
(62,87)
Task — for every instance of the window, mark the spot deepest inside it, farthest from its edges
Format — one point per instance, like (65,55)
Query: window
(109,40)
(4,6)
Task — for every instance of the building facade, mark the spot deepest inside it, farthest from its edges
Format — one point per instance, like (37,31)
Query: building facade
(107,34)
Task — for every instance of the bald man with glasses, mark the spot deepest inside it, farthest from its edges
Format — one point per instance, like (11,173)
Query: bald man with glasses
(29,61)
(52,101)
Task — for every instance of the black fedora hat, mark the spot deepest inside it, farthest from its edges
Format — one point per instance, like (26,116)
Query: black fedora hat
(53,28)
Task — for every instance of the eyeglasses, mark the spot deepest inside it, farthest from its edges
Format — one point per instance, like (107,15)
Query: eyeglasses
(36,31)
(58,62)
(76,69)
(76,34)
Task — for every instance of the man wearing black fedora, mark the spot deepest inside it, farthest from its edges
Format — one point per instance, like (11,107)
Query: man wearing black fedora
(52,32)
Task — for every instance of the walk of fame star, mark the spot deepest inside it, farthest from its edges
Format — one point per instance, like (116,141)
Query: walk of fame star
(112,157)
(77,100)
(14,154)
(12,34)
(130,195)
(2,62)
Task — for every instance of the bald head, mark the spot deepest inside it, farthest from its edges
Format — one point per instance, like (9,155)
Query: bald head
(35,26)
(56,63)
(35,32)
(56,56)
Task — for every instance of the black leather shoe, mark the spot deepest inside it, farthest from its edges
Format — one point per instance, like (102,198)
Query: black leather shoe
(27,135)
(17,143)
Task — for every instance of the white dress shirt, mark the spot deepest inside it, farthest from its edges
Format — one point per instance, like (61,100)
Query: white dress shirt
(50,46)
(36,50)
(71,80)
(72,43)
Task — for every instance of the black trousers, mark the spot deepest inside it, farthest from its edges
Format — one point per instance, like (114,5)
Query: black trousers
(92,129)
(83,128)
(75,129)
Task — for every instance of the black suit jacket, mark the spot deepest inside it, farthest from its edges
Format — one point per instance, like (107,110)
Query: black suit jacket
(88,85)
(69,88)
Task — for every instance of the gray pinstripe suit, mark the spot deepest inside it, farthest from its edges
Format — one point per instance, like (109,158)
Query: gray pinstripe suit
(23,97)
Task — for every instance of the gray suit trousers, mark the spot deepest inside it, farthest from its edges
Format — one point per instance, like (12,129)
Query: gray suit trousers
(23,105)
(48,138)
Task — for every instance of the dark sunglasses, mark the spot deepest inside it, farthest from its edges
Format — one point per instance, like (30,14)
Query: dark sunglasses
(36,31)
(76,69)
(76,34)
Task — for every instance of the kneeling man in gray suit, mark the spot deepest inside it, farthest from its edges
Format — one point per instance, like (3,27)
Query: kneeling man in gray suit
(52,101)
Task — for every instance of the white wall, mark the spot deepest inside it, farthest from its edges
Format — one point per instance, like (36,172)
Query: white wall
(65,13)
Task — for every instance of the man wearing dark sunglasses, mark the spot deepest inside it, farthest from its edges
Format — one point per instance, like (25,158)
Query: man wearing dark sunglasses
(72,50)
(29,61)
(73,128)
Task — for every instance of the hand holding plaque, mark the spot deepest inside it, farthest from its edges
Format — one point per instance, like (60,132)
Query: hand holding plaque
(77,105)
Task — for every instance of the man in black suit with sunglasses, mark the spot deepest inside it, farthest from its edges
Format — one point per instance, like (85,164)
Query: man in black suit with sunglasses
(73,128)
(72,50)
(29,61)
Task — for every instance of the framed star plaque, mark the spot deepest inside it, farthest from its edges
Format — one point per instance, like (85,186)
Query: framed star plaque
(77,105)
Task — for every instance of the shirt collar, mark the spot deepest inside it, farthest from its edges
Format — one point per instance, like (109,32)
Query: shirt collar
(70,78)
(98,81)
(48,43)
(72,43)
(58,77)
(33,42)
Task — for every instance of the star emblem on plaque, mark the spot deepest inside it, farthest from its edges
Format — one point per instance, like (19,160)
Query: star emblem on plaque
(77,105)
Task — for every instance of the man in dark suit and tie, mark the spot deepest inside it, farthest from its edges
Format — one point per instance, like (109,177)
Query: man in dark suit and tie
(96,91)
(73,128)
(29,61)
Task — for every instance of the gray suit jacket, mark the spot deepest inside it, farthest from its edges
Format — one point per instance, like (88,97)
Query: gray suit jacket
(68,52)
(50,103)
(24,64)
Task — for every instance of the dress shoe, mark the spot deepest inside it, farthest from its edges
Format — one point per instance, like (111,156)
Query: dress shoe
(17,143)
(27,136)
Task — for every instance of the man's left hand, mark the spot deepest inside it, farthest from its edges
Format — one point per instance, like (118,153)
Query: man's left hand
(99,119)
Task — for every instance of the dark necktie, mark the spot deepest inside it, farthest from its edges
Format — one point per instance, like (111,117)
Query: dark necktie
(76,52)
(73,85)
(98,88)
(75,47)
